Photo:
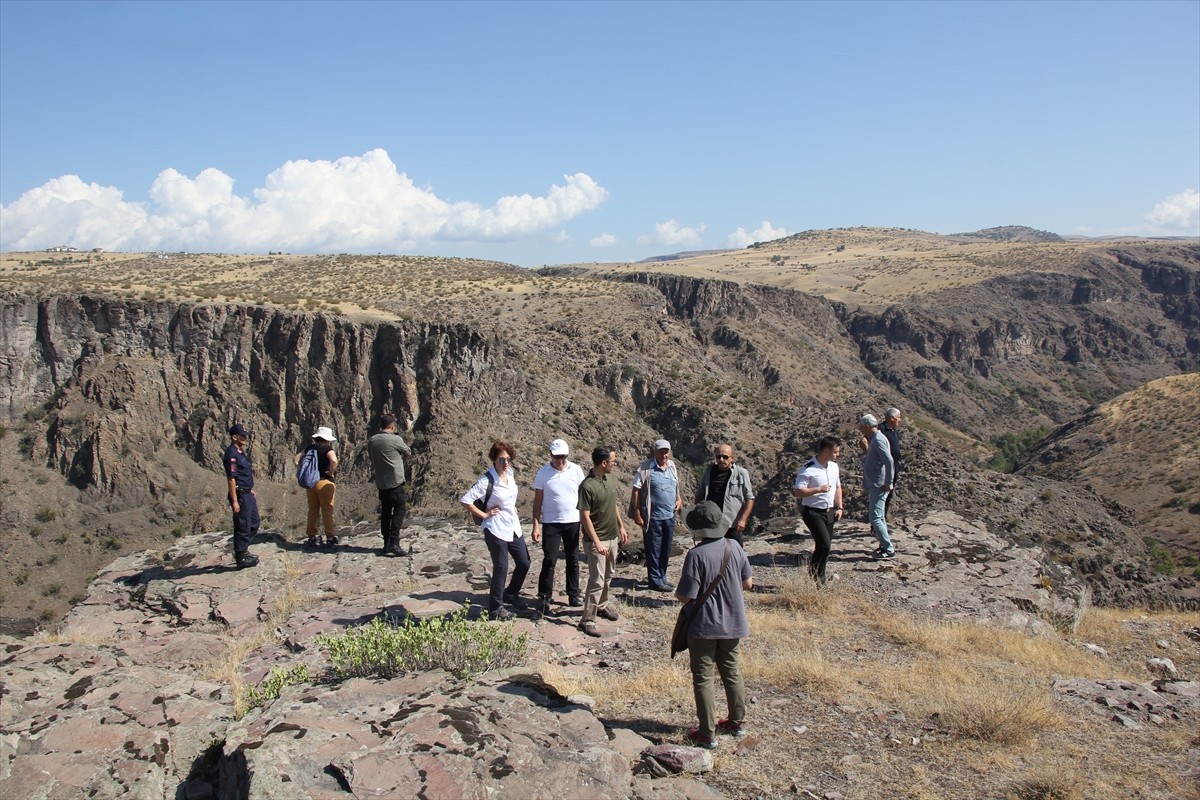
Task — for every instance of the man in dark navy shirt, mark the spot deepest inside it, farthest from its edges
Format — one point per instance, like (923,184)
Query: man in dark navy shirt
(891,429)
(241,496)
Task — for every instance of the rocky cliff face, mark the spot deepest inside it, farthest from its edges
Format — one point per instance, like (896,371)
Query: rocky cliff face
(1036,349)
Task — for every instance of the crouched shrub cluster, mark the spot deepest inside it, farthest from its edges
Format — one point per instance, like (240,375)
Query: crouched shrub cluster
(454,643)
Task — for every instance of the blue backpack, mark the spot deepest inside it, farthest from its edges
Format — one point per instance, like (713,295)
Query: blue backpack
(307,474)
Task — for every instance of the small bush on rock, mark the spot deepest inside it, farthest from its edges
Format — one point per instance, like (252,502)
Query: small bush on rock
(273,684)
(454,643)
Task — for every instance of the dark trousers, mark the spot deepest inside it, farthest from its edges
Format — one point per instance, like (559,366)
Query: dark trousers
(658,538)
(820,525)
(735,534)
(392,509)
(554,536)
(245,522)
(500,551)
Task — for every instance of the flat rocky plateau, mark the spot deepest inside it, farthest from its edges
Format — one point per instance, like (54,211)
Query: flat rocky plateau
(136,695)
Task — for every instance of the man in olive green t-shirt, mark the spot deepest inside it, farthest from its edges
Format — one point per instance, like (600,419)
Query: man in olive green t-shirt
(603,533)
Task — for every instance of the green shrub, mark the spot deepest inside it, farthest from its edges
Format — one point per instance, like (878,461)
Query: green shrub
(273,684)
(45,514)
(454,643)
(1011,446)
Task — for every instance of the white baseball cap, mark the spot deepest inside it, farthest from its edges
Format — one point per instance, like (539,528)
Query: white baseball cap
(662,444)
(559,448)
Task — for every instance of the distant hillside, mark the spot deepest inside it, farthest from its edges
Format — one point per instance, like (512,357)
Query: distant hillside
(1140,449)
(1013,233)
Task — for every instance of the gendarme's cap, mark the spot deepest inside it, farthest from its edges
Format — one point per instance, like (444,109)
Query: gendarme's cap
(868,420)
(236,429)
(662,444)
(326,433)
(705,521)
(559,448)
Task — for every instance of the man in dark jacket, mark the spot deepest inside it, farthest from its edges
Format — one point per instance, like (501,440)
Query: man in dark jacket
(891,429)
(239,476)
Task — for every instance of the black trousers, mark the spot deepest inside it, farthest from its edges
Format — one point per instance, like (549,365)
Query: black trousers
(820,524)
(245,522)
(735,534)
(500,551)
(557,535)
(392,509)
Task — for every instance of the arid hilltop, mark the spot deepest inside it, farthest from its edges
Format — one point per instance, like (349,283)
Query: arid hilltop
(122,373)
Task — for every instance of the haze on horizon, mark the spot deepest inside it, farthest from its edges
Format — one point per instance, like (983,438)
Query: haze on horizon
(575,132)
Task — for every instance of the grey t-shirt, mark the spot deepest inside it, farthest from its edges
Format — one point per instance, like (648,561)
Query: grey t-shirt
(723,615)
(387,458)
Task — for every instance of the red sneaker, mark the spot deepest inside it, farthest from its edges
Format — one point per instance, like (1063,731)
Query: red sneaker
(696,738)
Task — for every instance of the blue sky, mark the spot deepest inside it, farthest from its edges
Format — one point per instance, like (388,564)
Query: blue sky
(559,132)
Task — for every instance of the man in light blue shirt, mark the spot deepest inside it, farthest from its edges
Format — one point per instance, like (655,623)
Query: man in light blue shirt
(655,502)
(879,473)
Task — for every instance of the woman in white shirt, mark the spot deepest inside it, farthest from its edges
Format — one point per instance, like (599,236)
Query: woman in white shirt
(819,487)
(497,489)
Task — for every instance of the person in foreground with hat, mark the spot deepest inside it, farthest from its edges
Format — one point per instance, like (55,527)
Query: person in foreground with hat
(719,625)
(321,496)
(655,502)
(556,522)
(240,476)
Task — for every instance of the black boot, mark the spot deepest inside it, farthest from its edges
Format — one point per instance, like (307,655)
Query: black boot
(245,558)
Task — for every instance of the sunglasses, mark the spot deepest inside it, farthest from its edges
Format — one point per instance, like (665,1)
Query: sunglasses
(503,460)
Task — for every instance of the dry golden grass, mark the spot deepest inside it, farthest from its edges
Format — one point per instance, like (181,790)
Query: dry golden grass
(868,266)
(227,668)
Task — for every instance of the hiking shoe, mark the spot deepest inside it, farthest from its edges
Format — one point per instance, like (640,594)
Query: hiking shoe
(728,728)
(590,628)
(696,739)
(245,559)
(515,600)
(501,614)
(313,543)
(332,542)
(665,586)
(574,601)
(608,614)
(885,555)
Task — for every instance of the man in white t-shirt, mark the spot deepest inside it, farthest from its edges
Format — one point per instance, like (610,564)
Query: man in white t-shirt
(556,522)
(819,487)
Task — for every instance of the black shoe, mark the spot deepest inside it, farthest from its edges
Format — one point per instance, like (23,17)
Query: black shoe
(313,543)
(331,542)
(574,601)
(665,586)
(884,555)
(501,614)
(245,559)
(516,601)
(542,609)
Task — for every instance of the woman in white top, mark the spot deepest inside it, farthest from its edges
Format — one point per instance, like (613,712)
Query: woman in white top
(497,488)
(819,487)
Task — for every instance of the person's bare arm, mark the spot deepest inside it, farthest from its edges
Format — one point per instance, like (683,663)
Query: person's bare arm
(233,500)
(744,516)
(637,508)
(748,584)
(537,514)
(839,508)
(589,530)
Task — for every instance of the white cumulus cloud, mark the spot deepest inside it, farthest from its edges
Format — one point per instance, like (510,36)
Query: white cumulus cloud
(356,203)
(603,240)
(763,233)
(1179,213)
(672,234)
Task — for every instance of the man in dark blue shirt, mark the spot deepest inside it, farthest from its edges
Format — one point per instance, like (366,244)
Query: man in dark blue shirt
(241,496)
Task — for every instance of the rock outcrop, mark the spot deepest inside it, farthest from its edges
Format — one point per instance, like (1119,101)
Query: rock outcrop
(135,697)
